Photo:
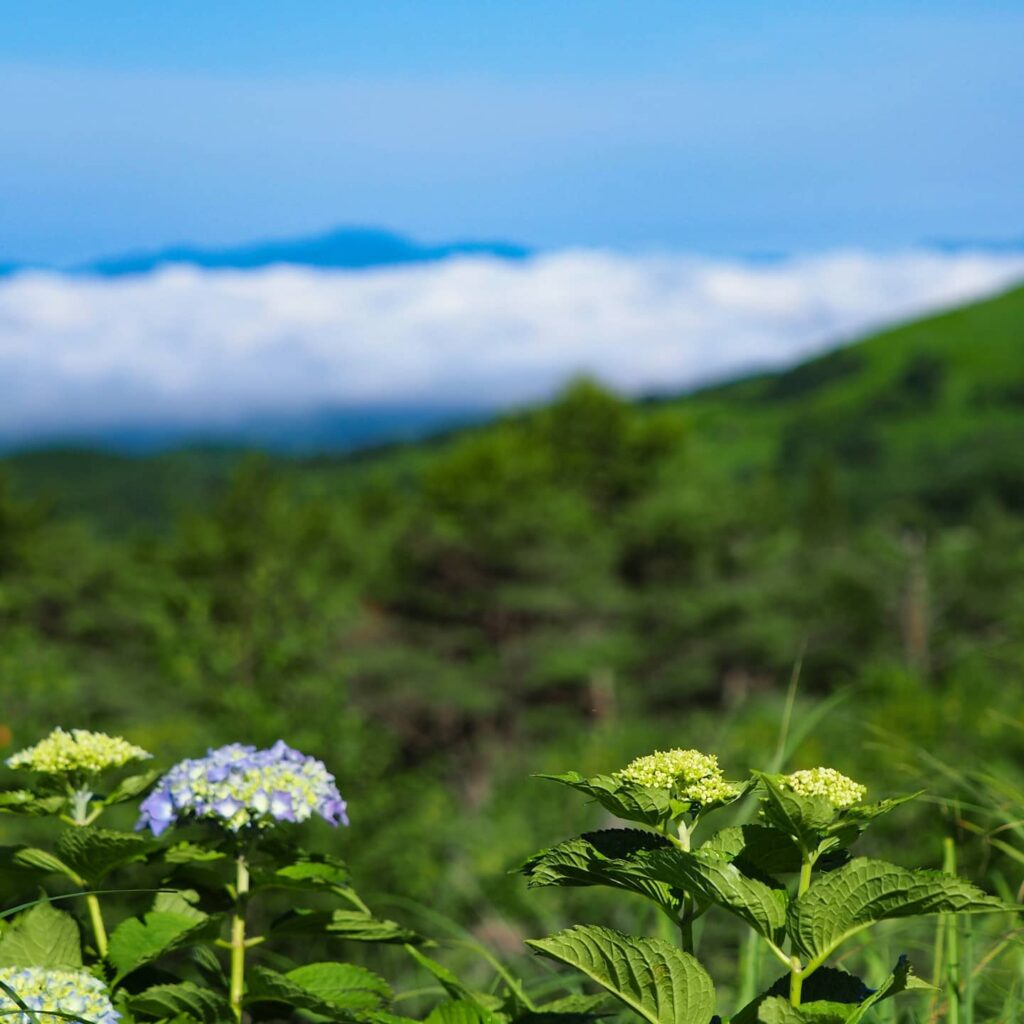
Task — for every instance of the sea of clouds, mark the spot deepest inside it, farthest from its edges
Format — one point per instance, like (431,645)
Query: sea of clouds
(205,348)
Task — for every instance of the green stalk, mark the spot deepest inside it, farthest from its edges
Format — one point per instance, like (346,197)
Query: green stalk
(952,943)
(686,914)
(80,817)
(238,936)
(796,977)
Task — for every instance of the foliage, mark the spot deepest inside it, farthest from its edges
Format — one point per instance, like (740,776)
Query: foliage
(741,872)
(211,863)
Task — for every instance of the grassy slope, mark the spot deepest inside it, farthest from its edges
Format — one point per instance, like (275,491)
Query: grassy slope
(934,408)
(929,408)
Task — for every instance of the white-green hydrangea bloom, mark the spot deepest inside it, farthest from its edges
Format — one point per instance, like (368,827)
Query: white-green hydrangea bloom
(840,790)
(690,774)
(49,993)
(78,752)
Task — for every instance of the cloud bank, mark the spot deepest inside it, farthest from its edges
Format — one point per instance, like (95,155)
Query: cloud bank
(207,348)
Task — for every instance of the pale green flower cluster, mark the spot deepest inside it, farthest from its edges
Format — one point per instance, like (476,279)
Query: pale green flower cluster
(54,995)
(78,751)
(690,774)
(840,790)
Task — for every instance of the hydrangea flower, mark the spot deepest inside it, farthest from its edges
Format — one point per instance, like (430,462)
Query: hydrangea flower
(50,992)
(690,774)
(840,790)
(77,752)
(239,786)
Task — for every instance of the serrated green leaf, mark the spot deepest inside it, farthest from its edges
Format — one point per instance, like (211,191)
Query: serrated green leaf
(757,850)
(805,818)
(776,1010)
(131,787)
(827,984)
(191,853)
(601,858)
(41,937)
(39,860)
(322,988)
(358,926)
(624,799)
(721,882)
(24,801)
(353,925)
(902,979)
(136,942)
(854,897)
(94,852)
(574,1004)
(311,871)
(461,1011)
(202,1004)
(653,978)
(183,902)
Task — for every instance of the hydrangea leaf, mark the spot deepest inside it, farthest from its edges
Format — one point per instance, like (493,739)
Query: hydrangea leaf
(34,859)
(777,1010)
(23,801)
(852,821)
(864,891)
(902,979)
(805,818)
(191,853)
(827,984)
(461,1011)
(323,988)
(185,997)
(131,787)
(757,850)
(354,925)
(720,881)
(140,941)
(309,871)
(601,858)
(94,852)
(183,902)
(653,978)
(358,926)
(41,937)
(575,1004)
(625,800)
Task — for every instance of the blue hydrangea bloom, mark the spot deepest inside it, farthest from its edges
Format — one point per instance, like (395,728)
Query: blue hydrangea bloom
(239,787)
(53,995)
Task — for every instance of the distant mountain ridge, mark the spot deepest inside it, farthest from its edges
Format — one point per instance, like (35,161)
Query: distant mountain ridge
(348,248)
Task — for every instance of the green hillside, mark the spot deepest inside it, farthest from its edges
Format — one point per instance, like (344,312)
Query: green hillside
(930,411)
(933,410)
(569,587)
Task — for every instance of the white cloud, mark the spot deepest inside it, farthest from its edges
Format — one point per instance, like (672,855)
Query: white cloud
(206,347)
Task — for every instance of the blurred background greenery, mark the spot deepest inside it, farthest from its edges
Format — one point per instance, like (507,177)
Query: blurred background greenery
(568,588)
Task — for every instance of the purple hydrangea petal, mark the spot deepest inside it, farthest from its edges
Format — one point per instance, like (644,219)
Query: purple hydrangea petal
(281,808)
(334,813)
(228,806)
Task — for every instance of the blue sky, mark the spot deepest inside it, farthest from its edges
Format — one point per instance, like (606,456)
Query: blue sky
(724,128)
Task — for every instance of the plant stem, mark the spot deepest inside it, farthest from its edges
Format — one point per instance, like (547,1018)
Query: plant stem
(686,925)
(686,913)
(80,817)
(238,936)
(952,943)
(796,977)
(99,930)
